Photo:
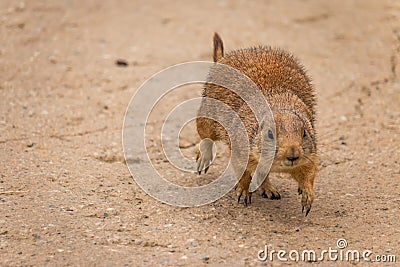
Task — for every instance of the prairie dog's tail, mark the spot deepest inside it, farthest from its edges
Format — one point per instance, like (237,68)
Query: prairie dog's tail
(218,47)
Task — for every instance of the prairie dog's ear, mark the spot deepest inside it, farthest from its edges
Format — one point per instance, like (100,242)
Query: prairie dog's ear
(218,47)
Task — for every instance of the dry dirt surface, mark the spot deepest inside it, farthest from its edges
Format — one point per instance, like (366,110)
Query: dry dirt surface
(66,195)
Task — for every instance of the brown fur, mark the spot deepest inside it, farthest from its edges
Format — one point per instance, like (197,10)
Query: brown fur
(288,90)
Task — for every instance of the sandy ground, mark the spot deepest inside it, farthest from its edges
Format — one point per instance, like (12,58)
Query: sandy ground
(66,194)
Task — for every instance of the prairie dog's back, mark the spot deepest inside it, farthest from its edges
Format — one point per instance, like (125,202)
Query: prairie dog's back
(274,71)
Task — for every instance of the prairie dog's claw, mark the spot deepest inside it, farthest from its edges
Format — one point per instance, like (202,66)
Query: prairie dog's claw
(268,190)
(308,210)
(206,169)
(271,194)
(246,196)
(299,191)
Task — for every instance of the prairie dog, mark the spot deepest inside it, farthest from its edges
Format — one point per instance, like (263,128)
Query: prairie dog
(290,94)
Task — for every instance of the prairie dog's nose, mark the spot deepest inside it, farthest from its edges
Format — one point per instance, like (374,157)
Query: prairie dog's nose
(292,153)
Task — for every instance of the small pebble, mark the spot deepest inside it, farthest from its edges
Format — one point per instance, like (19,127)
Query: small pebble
(121,63)
(31,144)
(36,235)
(21,6)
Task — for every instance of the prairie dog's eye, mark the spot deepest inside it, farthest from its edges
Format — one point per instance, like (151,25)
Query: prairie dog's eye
(270,134)
(304,133)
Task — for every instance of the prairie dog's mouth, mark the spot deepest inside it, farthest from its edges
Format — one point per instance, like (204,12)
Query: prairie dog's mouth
(287,164)
(290,163)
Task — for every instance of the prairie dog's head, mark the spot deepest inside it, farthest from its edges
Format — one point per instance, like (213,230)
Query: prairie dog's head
(294,135)
(295,140)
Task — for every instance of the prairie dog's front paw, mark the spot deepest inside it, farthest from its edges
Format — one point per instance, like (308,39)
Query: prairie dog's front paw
(242,192)
(307,198)
(204,155)
(242,189)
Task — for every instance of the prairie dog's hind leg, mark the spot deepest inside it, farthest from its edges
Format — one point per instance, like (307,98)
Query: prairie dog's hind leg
(206,129)
(205,155)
